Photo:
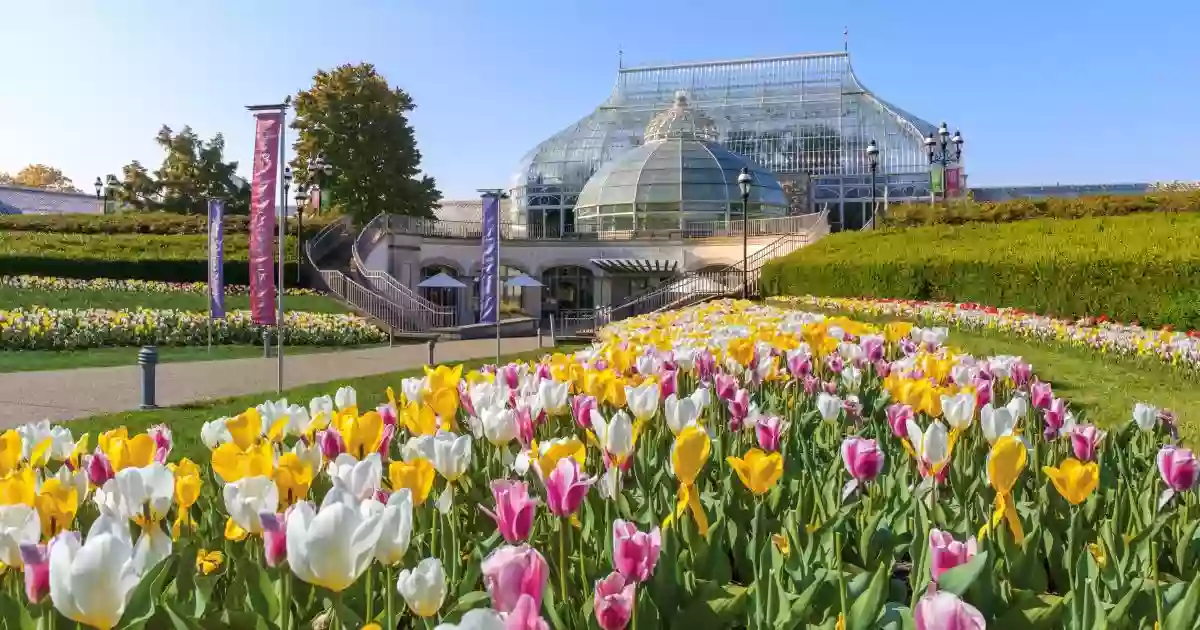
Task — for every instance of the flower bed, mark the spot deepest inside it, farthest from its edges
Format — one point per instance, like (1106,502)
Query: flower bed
(1094,333)
(724,466)
(46,283)
(70,329)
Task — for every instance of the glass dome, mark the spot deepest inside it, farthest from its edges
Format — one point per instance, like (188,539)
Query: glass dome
(680,176)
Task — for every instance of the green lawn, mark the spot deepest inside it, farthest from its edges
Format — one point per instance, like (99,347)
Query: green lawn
(33,360)
(16,298)
(185,420)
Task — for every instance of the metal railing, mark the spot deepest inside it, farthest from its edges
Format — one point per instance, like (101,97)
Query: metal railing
(473,230)
(422,314)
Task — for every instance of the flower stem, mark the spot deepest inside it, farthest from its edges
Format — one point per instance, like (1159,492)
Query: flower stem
(583,580)
(285,602)
(562,559)
(370,593)
(454,549)
(837,552)
(389,599)
(1158,614)
(336,621)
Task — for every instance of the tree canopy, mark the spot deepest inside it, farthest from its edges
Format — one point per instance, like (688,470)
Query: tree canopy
(192,172)
(359,124)
(40,176)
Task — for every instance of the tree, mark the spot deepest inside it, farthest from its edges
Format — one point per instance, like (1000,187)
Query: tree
(358,122)
(192,172)
(40,176)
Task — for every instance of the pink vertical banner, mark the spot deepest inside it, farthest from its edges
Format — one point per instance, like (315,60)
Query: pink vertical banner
(262,217)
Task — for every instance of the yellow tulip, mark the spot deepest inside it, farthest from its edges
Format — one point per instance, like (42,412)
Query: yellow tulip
(77,453)
(1005,463)
(782,544)
(741,350)
(208,562)
(19,487)
(293,477)
(558,449)
(1074,480)
(57,504)
(126,452)
(235,532)
(622,359)
(10,451)
(187,483)
(758,470)
(232,463)
(688,455)
(896,331)
(245,428)
(416,475)
(443,377)
(362,434)
(419,419)
(444,402)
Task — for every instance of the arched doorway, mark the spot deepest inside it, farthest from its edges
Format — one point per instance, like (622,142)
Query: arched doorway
(445,297)
(510,297)
(568,287)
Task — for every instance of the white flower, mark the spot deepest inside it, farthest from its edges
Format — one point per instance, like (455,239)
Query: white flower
(680,413)
(476,619)
(248,498)
(702,397)
(615,436)
(321,407)
(19,525)
(850,351)
(1145,416)
(138,492)
(450,454)
(78,479)
(962,374)
(553,396)
(487,395)
(215,433)
(91,583)
(959,410)
(996,422)
(423,588)
(413,389)
(333,547)
(292,419)
(1002,365)
(57,440)
(852,378)
(1019,407)
(643,400)
(934,336)
(345,398)
(395,527)
(932,445)
(309,454)
(360,479)
(829,406)
(499,425)
(685,357)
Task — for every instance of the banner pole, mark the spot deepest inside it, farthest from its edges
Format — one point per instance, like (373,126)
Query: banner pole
(279,327)
(499,293)
(211,293)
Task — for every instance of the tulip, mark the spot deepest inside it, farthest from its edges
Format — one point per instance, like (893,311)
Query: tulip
(898,415)
(552,396)
(1178,468)
(161,435)
(872,347)
(616,435)
(945,552)
(126,452)
(99,469)
(613,602)
(476,619)
(983,392)
(247,499)
(668,382)
(274,537)
(36,559)
(320,406)
(768,430)
(566,487)
(19,525)
(332,547)
(680,413)
(829,406)
(758,470)
(511,573)
(346,399)
(996,422)
(1005,462)
(331,443)
(643,400)
(91,583)
(1056,417)
(582,407)
(293,478)
(515,510)
(525,419)
(417,476)
(56,504)
(931,447)
(1084,440)
(739,408)
(41,442)
(360,479)
(959,410)
(863,460)
(635,553)
(423,588)
(835,364)
(499,425)
(1021,372)
(726,386)
(19,487)
(852,378)
(450,454)
(799,364)
(1145,416)
(395,528)
(1074,480)
(215,433)
(688,454)
(1040,395)
(943,610)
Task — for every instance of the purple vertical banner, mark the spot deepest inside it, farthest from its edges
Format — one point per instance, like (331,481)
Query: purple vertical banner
(264,180)
(489,301)
(216,259)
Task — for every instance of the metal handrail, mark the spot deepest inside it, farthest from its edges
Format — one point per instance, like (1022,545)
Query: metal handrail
(384,282)
(436,228)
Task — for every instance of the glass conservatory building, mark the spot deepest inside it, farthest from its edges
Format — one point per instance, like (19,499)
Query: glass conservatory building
(805,118)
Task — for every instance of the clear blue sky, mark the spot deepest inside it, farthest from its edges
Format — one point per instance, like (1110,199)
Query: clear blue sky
(1048,91)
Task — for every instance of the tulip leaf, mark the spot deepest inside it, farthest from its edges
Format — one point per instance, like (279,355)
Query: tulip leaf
(961,577)
(179,621)
(469,600)
(866,607)
(714,607)
(1031,612)
(142,602)
(260,590)
(896,617)
(12,610)
(1185,613)
(551,607)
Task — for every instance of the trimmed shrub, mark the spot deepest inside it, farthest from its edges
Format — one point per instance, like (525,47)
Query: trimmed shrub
(1143,268)
(968,211)
(134,223)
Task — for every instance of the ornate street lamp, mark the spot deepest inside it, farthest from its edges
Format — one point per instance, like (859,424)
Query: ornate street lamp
(873,162)
(744,180)
(301,199)
(939,152)
(106,188)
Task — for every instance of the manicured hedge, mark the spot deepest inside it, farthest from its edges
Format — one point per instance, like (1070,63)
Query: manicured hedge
(1142,267)
(170,258)
(968,211)
(132,223)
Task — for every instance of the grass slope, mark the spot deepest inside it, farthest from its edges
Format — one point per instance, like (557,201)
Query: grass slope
(34,360)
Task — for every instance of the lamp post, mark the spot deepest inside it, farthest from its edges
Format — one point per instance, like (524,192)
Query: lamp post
(301,199)
(744,180)
(105,188)
(939,152)
(873,162)
(318,171)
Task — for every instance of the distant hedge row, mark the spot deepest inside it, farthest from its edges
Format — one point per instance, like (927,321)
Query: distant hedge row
(133,223)
(968,211)
(169,258)
(1142,268)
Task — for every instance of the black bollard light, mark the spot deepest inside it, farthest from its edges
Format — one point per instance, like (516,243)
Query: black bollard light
(266,342)
(148,358)
(430,345)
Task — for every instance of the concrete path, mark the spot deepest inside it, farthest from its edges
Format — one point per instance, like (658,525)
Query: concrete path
(68,394)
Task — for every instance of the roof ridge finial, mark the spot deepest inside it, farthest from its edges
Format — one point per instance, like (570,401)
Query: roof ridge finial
(620,58)
(846,39)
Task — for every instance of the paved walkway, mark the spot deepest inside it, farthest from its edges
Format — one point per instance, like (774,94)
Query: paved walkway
(69,394)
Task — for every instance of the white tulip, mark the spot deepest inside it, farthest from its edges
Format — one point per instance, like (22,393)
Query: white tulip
(934,336)
(476,619)
(413,389)
(931,445)
(309,454)
(646,364)
(34,434)
(499,425)
(395,527)
(152,546)
(850,351)
(294,417)
(852,378)
(702,397)
(321,407)
(138,492)
(1019,407)
(78,479)
(423,588)
(643,400)
(215,433)
(361,479)
(345,398)
(962,374)
(487,395)
(829,406)
(91,583)
(332,547)
(19,525)
(996,422)
(616,435)
(685,357)
(680,413)
(1002,365)
(553,396)
(419,447)
(1145,416)
(247,498)
(959,410)
(450,454)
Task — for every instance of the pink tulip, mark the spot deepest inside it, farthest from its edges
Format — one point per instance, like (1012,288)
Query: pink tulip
(852,407)
(739,408)
(726,386)
(898,415)
(835,364)
(1056,417)
(1178,468)
(769,430)
(862,457)
(945,553)
(274,537)
(1040,394)
(385,442)
(830,387)
(514,510)
(162,442)
(668,383)
(706,366)
(525,616)
(1021,372)
(525,424)
(943,610)
(543,372)
(983,392)
(810,385)
(464,398)
(331,443)
(566,487)
(388,412)
(1084,440)
(800,365)
(582,406)
(872,347)
(509,375)
(510,573)
(883,369)
(614,601)
(635,553)
(37,571)
(908,346)
(99,469)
